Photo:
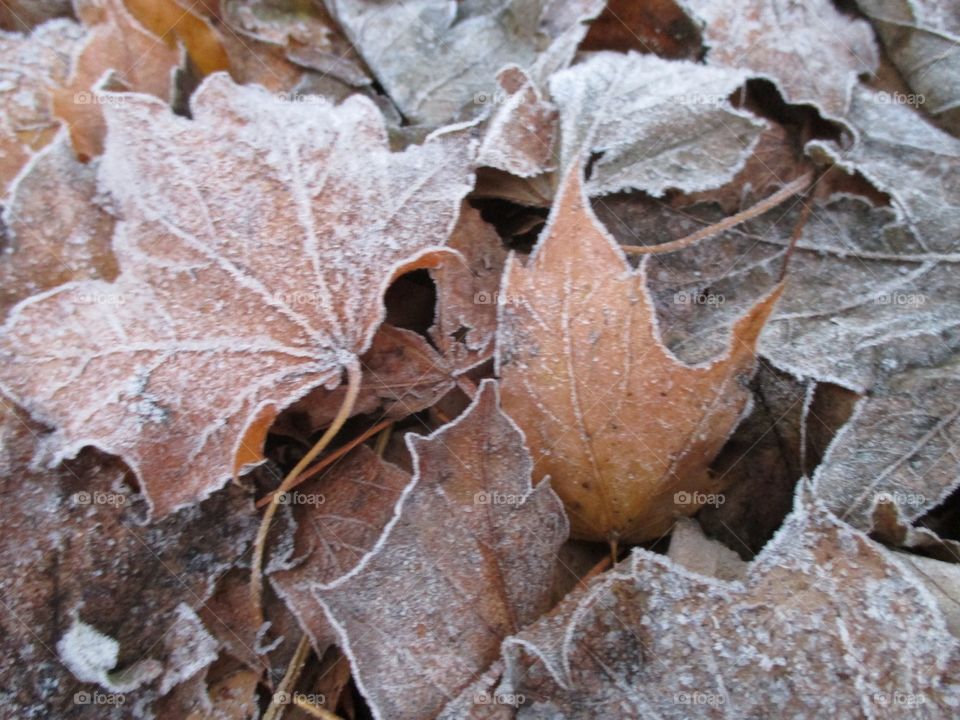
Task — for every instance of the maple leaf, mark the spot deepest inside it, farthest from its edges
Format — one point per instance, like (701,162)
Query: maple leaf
(142,63)
(420,616)
(620,424)
(437,58)
(811,50)
(54,231)
(339,518)
(922,37)
(180,365)
(33,66)
(87,586)
(657,124)
(820,595)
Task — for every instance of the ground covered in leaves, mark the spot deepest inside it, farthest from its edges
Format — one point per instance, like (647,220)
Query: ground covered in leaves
(518,359)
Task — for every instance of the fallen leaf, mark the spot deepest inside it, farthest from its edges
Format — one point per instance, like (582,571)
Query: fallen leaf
(140,62)
(33,66)
(693,550)
(55,232)
(922,37)
(811,50)
(89,590)
(24,15)
(423,613)
(179,22)
(656,124)
(339,517)
(658,27)
(437,58)
(624,429)
(468,293)
(208,332)
(650,639)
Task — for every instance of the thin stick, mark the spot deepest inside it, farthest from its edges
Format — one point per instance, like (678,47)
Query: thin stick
(314,710)
(256,578)
(596,570)
(382,439)
(799,185)
(805,210)
(614,550)
(288,684)
(330,459)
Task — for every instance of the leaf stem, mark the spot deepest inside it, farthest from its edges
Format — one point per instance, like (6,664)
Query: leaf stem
(799,185)
(354,375)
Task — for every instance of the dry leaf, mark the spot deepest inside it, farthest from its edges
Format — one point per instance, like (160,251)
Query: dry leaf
(174,21)
(423,614)
(657,124)
(468,293)
(825,624)
(624,429)
(251,273)
(923,39)
(140,62)
(339,517)
(438,58)
(658,27)
(811,50)
(87,587)
(54,230)
(24,15)
(33,66)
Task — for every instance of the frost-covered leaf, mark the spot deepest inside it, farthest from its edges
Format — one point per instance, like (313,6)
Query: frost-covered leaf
(693,550)
(624,429)
(657,124)
(810,49)
(32,67)
(900,446)
(468,293)
(519,134)
(54,231)
(402,375)
(438,58)
(252,271)
(339,517)
(90,593)
(466,560)
(906,157)
(825,624)
(139,60)
(923,40)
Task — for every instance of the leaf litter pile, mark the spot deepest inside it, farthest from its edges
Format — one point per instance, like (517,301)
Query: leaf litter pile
(434,359)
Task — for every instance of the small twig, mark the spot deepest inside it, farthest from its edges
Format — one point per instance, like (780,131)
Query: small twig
(256,578)
(276,708)
(380,447)
(315,710)
(597,569)
(330,459)
(614,550)
(801,184)
(805,210)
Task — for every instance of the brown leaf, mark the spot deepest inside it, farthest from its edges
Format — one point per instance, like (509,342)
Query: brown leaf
(402,375)
(339,517)
(466,560)
(24,15)
(33,66)
(812,50)
(660,27)
(250,274)
(174,21)
(825,624)
(54,231)
(78,563)
(468,293)
(625,430)
(141,62)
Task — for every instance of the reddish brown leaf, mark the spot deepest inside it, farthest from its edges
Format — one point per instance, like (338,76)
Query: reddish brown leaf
(251,273)
(423,614)
(624,429)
